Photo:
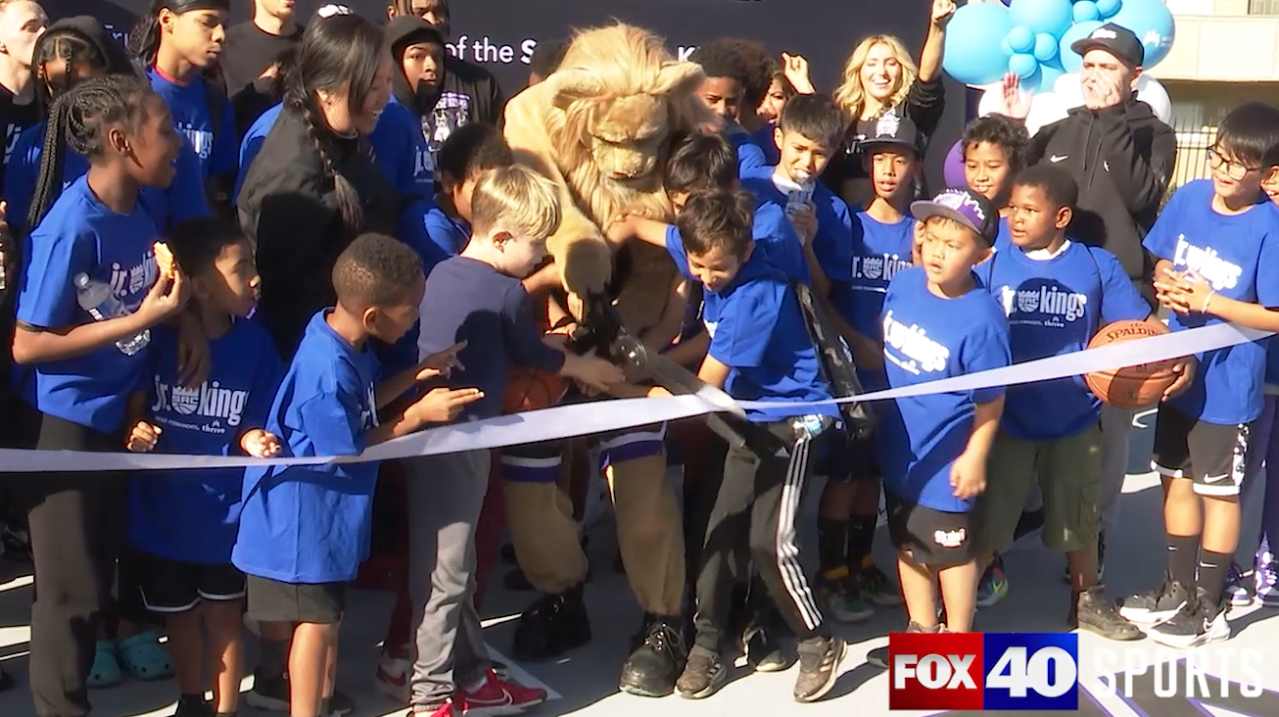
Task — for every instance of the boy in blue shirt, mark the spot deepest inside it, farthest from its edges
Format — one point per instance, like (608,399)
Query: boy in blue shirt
(723,90)
(1217,243)
(994,152)
(304,529)
(939,322)
(1056,293)
(760,350)
(183,524)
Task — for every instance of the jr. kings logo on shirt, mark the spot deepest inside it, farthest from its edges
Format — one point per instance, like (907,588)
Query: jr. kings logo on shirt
(878,268)
(1046,306)
(209,401)
(910,348)
(201,140)
(1218,272)
(127,283)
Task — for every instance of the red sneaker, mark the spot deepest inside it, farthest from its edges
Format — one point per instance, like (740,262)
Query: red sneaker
(497,697)
(445,710)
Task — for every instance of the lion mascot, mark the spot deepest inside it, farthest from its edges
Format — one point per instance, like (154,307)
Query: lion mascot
(599,127)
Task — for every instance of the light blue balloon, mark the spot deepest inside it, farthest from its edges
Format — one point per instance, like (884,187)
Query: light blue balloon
(1152,22)
(1086,10)
(1048,74)
(1023,65)
(1108,8)
(1070,60)
(974,36)
(1020,39)
(1047,16)
(1045,47)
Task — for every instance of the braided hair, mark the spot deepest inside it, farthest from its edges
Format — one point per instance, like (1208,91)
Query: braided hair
(80,119)
(72,48)
(340,53)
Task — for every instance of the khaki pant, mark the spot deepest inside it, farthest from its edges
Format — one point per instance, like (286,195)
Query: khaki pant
(544,533)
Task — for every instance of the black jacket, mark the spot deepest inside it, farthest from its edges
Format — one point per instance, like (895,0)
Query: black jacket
(1122,158)
(288,207)
(466,92)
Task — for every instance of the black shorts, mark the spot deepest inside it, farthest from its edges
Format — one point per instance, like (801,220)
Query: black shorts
(850,460)
(932,537)
(274,601)
(1214,455)
(169,586)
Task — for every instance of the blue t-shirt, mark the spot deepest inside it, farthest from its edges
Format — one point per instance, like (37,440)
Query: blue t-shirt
(189,105)
(1272,362)
(927,338)
(82,235)
(192,516)
(312,524)
(1237,256)
(396,142)
(447,233)
(1054,307)
(750,157)
(183,199)
(765,139)
(757,329)
(834,238)
(468,300)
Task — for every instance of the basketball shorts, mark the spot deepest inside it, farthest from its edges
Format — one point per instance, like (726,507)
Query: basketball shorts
(1214,455)
(931,537)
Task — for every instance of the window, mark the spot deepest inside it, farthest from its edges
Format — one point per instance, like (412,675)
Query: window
(1263,7)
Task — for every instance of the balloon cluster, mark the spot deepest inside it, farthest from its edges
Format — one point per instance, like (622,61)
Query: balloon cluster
(1032,38)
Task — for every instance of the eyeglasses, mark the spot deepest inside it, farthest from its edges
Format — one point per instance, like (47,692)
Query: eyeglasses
(1235,170)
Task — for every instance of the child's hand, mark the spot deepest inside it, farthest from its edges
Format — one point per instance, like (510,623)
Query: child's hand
(659,392)
(1183,292)
(598,373)
(442,405)
(805,223)
(968,476)
(795,69)
(942,10)
(1185,370)
(556,340)
(1014,102)
(621,229)
(142,438)
(260,444)
(440,364)
(166,298)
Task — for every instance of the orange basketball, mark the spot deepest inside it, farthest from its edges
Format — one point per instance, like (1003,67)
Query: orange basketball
(1132,386)
(530,389)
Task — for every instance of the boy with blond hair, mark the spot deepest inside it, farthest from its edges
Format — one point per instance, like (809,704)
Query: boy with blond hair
(478,298)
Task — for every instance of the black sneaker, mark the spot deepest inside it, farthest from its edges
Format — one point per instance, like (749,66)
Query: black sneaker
(271,694)
(703,675)
(1157,605)
(552,626)
(193,706)
(764,650)
(657,660)
(1097,615)
(1202,620)
(878,657)
(819,658)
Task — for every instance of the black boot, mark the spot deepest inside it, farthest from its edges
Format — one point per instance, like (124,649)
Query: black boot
(657,658)
(552,626)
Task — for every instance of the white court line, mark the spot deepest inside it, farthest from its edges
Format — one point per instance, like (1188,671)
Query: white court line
(19,582)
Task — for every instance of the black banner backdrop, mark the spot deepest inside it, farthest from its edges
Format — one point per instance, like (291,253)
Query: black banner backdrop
(501,34)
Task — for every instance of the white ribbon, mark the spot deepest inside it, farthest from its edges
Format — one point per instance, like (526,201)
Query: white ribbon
(590,418)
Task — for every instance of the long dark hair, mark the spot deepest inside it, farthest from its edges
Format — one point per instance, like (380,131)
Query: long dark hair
(69,46)
(80,118)
(337,53)
(144,40)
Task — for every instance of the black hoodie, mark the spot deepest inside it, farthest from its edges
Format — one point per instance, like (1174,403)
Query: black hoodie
(465,93)
(1122,157)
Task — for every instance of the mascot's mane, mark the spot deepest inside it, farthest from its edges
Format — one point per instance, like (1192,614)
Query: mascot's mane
(603,66)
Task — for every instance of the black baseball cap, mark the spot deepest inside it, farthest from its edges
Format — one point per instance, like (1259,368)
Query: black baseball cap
(1118,41)
(891,129)
(964,206)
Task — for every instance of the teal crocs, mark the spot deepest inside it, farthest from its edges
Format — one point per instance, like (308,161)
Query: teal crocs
(106,667)
(144,657)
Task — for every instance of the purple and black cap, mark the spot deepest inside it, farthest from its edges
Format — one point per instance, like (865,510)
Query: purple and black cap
(964,206)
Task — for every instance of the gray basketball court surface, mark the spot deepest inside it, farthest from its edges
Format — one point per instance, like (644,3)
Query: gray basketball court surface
(584,682)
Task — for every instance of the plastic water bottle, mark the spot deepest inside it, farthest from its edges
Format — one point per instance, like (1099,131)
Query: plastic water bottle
(97,298)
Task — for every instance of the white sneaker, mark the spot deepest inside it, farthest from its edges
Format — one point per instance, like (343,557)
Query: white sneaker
(392,678)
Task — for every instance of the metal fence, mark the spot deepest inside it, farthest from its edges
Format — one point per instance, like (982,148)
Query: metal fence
(1193,141)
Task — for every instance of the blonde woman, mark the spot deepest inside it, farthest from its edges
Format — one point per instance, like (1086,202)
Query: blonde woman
(880,77)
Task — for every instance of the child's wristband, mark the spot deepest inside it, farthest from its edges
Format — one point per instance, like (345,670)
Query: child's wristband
(1207,301)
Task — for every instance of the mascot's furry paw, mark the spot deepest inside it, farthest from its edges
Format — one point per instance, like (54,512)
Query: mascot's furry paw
(587,267)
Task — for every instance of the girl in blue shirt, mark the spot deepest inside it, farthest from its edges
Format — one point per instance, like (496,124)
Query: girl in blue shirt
(177,41)
(79,377)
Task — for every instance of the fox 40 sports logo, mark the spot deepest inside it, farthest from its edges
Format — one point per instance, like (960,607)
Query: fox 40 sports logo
(976,671)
